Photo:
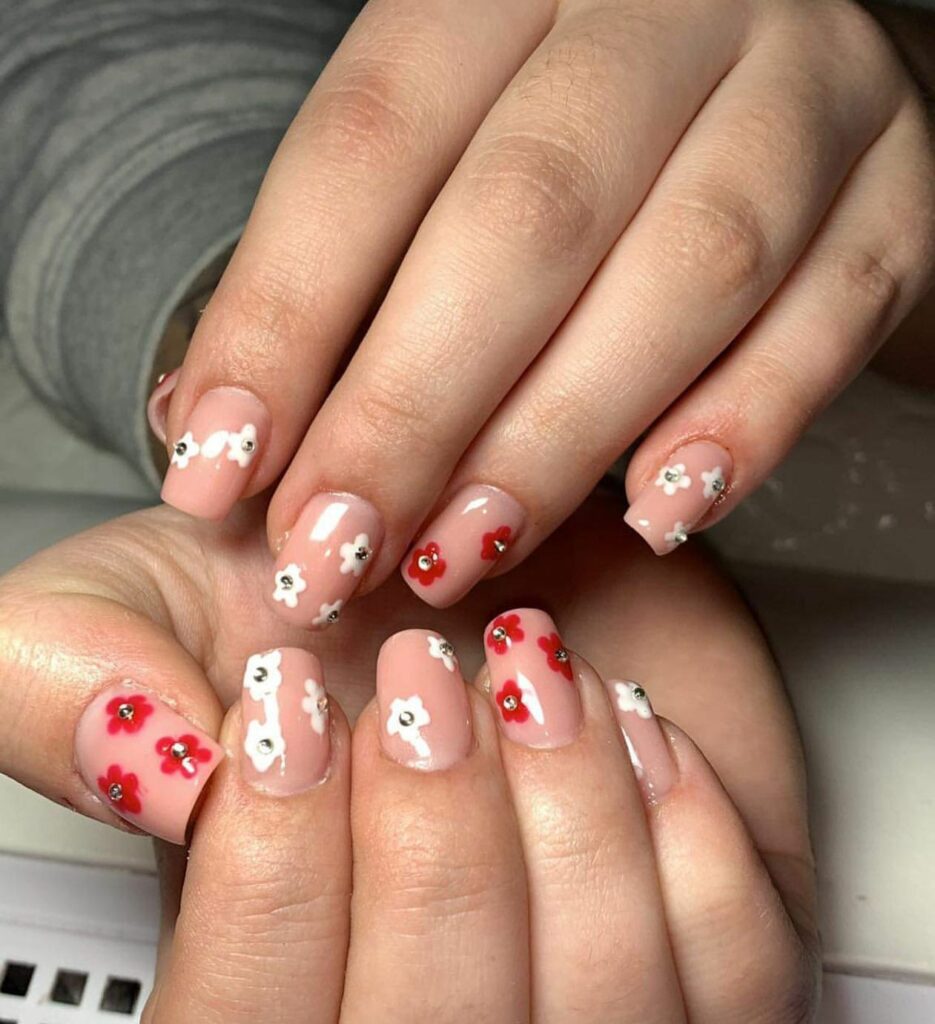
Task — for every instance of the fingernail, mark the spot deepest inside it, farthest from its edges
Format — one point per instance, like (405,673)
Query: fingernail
(286,723)
(157,407)
(532,680)
(462,544)
(649,751)
(679,495)
(322,563)
(425,718)
(144,760)
(212,462)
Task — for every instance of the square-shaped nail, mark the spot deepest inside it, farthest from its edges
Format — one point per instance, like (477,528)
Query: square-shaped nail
(212,462)
(425,717)
(322,563)
(286,722)
(532,680)
(678,496)
(462,544)
(143,759)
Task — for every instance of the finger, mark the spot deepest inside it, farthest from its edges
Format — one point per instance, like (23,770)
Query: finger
(350,182)
(263,927)
(532,208)
(736,203)
(104,711)
(439,910)
(595,904)
(864,271)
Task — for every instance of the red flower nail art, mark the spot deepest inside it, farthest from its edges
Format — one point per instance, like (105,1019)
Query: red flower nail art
(121,789)
(427,564)
(510,699)
(504,631)
(556,654)
(495,543)
(128,713)
(182,754)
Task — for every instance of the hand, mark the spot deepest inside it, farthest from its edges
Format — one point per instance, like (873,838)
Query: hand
(600,219)
(479,887)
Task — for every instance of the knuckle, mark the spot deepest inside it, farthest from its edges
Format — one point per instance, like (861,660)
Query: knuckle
(863,280)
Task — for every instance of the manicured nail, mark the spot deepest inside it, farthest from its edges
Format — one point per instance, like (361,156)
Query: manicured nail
(286,724)
(212,462)
(324,559)
(144,760)
(463,544)
(676,499)
(157,407)
(425,718)
(532,680)
(649,751)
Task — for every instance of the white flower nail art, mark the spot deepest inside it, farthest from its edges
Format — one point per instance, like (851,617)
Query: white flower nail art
(678,534)
(354,554)
(713,482)
(215,444)
(632,697)
(407,719)
(673,478)
(262,676)
(241,446)
(263,744)
(184,450)
(440,648)
(315,704)
(328,613)
(289,584)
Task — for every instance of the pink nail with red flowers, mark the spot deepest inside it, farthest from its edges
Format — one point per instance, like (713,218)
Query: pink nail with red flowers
(143,759)
(157,407)
(532,680)
(286,722)
(425,717)
(212,462)
(678,497)
(322,563)
(462,544)
(648,748)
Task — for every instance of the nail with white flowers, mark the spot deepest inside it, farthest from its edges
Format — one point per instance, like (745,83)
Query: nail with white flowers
(647,746)
(212,460)
(425,717)
(286,734)
(331,546)
(678,497)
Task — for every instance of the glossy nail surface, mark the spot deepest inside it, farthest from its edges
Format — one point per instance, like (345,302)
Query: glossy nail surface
(324,559)
(286,722)
(143,759)
(532,681)
(212,462)
(425,717)
(679,495)
(462,544)
(649,751)
(157,407)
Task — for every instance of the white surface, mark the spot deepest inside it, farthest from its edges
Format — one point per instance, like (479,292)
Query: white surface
(855,1000)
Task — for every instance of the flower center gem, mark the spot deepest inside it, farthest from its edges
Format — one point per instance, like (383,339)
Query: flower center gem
(717,485)
(265,746)
(115,791)
(561,654)
(322,704)
(126,712)
(425,562)
(510,702)
(179,750)
(639,693)
(446,648)
(499,634)
(260,674)
(362,554)
(286,581)
(499,546)
(680,537)
(406,718)
(672,475)
(333,616)
(181,448)
(247,445)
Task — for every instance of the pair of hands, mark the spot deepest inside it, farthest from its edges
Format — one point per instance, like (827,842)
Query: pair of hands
(519,883)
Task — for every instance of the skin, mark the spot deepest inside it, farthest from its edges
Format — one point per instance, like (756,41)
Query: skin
(559,227)
(487,891)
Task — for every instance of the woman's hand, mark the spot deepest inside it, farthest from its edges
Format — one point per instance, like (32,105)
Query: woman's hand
(694,219)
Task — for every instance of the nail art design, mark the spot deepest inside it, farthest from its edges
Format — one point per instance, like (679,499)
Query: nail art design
(184,450)
(324,559)
(668,508)
(463,544)
(286,716)
(532,680)
(646,745)
(423,701)
(632,697)
(143,759)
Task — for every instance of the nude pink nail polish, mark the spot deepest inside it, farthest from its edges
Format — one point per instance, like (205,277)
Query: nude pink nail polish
(212,462)
(652,762)
(679,495)
(532,680)
(286,722)
(425,717)
(144,760)
(323,562)
(157,407)
(462,544)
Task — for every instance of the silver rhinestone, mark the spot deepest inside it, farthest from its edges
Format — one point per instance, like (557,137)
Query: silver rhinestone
(333,616)
(425,563)
(260,675)
(115,791)
(179,750)
(286,581)
(672,475)
(499,634)
(126,712)
(510,702)
(247,445)
(499,546)
(181,448)
(322,704)
(561,654)
(717,485)
(447,648)
(265,746)
(362,554)
(639,693)
(406,718)
(680,537)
